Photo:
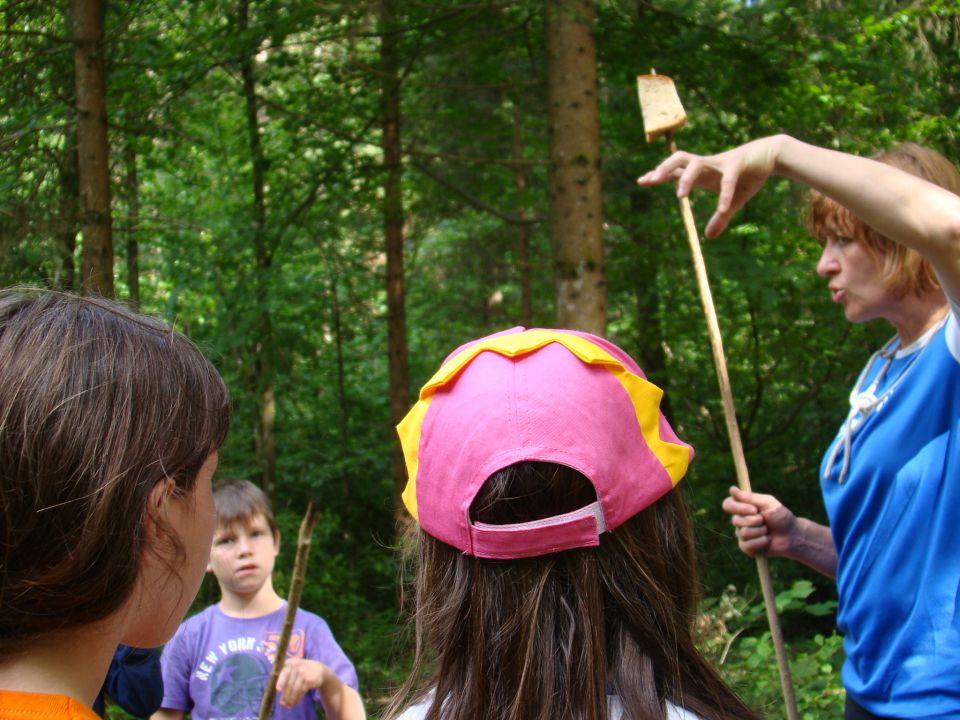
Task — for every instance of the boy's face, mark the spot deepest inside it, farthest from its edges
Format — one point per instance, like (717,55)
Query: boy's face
(243,554)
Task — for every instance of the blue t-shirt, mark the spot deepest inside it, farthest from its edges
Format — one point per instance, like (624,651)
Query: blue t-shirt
(895,519)
(133,682)
(215,667)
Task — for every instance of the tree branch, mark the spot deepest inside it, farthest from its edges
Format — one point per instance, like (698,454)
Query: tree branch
(293,602)
(475,202)
(506,162)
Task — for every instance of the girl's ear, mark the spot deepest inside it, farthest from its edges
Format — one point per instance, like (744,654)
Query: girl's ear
(160,495)
(158,507)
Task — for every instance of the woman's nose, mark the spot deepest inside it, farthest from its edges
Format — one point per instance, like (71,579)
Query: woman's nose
(827,265)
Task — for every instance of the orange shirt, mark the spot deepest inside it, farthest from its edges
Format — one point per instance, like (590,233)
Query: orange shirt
(40,706)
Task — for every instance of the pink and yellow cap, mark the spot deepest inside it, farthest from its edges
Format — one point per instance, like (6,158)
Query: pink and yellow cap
(557,396)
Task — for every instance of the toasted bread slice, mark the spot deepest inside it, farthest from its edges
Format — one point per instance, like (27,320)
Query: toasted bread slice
(660,105)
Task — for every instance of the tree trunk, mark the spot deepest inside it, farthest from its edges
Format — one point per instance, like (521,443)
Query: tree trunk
(343,421)
(523,230)
(393,234)
(576,220)
(649,353)
(264,420)
(92,149)
(132,185)
(64,277)
(343,414)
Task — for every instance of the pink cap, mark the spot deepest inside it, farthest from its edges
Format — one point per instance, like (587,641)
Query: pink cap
(557,396)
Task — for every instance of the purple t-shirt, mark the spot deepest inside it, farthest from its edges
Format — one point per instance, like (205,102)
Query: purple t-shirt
(216,666)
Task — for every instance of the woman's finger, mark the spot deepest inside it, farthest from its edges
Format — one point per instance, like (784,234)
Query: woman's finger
(733,506)
(747,521)
(754,547)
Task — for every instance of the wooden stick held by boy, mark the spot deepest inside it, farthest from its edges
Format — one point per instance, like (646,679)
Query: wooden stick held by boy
(307,525)
(663,113)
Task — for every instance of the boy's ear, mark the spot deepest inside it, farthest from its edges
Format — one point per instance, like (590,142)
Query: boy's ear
(210,556)
(276,543)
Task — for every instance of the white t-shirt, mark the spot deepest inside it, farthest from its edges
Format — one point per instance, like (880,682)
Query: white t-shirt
(614,710)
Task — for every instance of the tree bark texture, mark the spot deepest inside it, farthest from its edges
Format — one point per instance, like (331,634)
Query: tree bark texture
(132,186)
(649,352)
(576,218)
(393,235)
(67,218)
(86,18)
(304,541)
(264,421)
(523,230)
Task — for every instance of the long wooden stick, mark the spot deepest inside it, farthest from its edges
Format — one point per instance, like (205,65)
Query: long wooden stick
(736,444)
(309,522)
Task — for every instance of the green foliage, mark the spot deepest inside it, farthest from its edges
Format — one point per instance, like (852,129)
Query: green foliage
(855,75)
(734,635)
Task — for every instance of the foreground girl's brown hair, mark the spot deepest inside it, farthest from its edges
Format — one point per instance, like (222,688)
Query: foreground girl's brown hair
(98,404)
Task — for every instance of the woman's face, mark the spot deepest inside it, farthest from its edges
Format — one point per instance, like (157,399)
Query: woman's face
(168,583)
(855,280)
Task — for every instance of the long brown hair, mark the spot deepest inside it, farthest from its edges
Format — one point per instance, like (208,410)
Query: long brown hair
(97,405)
(546,638)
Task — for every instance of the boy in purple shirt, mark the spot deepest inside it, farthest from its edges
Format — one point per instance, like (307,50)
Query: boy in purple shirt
(217,664)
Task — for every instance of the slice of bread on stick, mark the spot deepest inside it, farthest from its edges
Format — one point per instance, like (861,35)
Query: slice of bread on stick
(660,105)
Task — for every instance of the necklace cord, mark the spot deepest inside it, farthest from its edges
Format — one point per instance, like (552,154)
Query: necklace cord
(864,402)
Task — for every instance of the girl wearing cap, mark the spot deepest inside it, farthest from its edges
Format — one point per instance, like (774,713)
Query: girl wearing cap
(890,228)
(554,562)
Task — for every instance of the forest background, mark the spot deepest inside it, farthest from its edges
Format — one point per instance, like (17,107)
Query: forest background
(330,196)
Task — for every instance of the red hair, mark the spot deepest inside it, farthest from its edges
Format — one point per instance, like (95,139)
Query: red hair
(904,269)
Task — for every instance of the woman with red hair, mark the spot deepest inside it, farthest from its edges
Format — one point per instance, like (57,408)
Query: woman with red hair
(890,229)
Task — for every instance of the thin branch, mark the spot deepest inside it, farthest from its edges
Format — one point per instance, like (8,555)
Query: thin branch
(478,86)
(36,33)
(475,202)
(293,602)
(360,138)
(12,138)
(506,162)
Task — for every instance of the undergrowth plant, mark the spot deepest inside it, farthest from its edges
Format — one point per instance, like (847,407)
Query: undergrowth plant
(734,635)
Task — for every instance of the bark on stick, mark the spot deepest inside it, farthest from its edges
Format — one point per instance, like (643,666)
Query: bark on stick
(307,525)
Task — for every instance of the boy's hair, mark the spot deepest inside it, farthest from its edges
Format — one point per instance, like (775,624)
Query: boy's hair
(906,270)
(540,638)
(238,501)
(97,405)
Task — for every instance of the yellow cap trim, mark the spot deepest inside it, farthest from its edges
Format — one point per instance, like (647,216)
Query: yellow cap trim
(409,431)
